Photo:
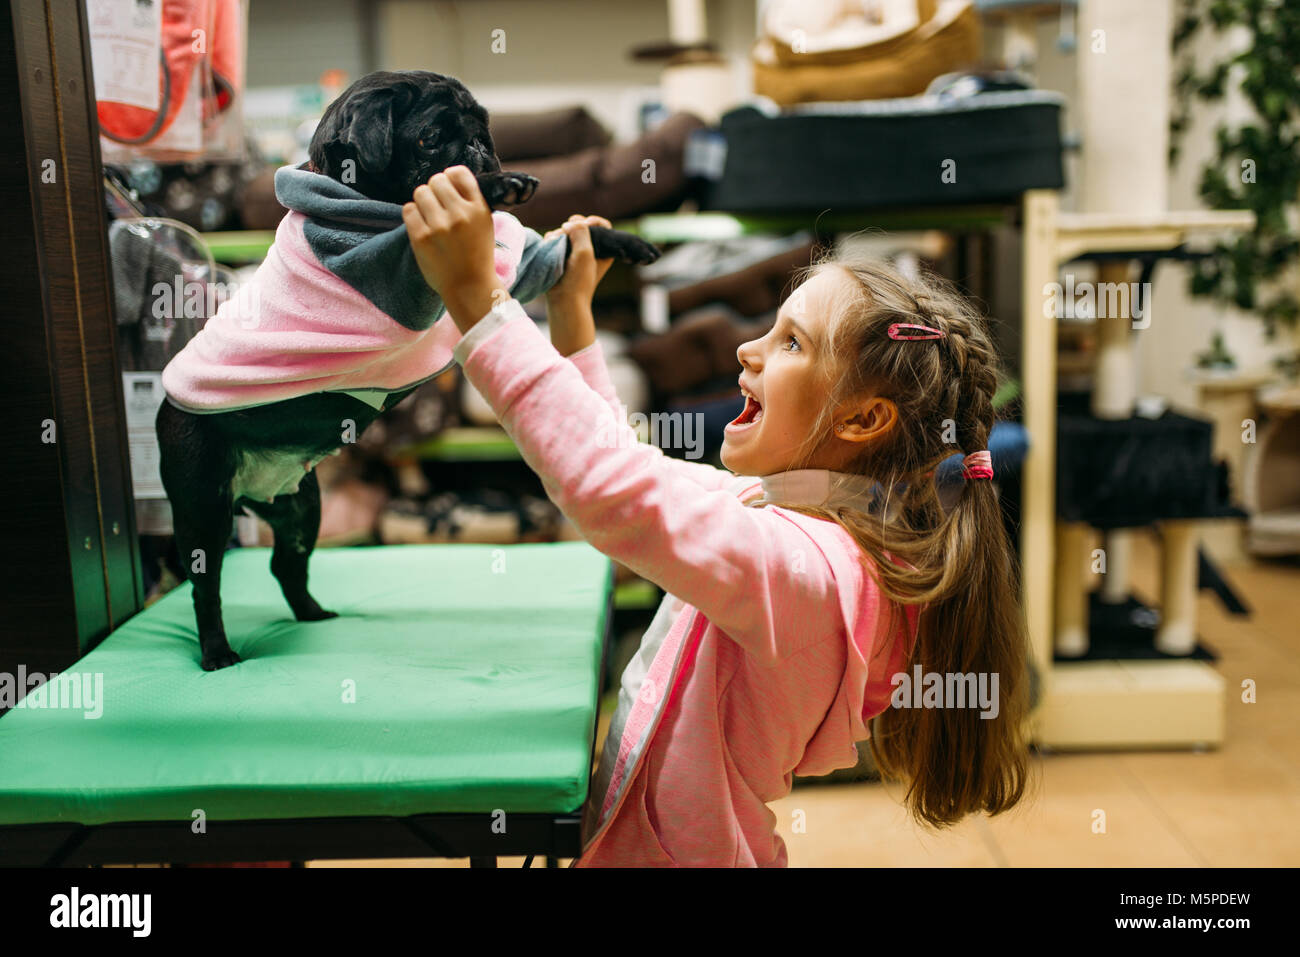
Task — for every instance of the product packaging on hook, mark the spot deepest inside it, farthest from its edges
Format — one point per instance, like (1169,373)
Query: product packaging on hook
(169,78)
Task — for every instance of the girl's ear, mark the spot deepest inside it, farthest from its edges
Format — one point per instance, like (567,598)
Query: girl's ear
(873,419)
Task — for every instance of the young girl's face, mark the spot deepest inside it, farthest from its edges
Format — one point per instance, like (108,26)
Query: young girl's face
(786,376)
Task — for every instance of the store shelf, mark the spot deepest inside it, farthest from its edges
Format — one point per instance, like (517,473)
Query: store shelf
(464,444)
(239,248)
(1079,233)
(636,595)
(690,227)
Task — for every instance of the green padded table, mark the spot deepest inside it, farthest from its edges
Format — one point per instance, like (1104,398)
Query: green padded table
(450,710)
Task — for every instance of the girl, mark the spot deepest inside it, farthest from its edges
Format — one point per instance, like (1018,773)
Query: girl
(794,598)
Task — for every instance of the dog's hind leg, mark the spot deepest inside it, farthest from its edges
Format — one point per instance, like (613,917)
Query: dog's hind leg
(295,520)
(196,475)
(202,533)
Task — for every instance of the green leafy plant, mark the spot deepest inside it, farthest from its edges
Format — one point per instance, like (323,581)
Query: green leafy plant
(1257,164)
(1217,356)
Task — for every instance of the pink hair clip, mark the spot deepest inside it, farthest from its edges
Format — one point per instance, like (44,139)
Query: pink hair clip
(977,465)
(894,332)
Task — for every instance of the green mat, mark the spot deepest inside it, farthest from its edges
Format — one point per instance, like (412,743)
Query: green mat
(474,671)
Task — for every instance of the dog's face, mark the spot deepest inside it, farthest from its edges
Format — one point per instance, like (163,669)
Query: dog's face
(389,132)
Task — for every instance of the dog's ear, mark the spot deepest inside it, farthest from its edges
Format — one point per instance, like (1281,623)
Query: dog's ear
(362,127)
(369,130)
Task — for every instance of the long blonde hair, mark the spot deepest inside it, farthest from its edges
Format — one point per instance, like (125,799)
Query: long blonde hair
(957,563)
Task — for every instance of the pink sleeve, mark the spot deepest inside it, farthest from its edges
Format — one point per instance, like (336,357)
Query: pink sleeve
(754,573)
(590,361)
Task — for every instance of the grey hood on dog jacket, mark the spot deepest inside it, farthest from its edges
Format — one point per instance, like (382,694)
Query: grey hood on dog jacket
(339,304)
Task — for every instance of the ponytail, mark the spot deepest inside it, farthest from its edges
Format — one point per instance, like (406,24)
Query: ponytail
(955,760)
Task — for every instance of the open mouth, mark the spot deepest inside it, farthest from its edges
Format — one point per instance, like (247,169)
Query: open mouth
(750,415)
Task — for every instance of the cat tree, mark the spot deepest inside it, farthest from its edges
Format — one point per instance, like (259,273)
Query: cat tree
(1122,113)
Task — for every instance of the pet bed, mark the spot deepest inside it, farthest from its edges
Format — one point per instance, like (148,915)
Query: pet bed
(457,682)
(928,150)
(1125,473)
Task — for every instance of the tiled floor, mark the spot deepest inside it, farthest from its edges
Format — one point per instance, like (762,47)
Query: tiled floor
(1235,806)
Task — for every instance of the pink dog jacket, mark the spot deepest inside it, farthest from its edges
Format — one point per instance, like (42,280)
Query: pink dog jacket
(338,305)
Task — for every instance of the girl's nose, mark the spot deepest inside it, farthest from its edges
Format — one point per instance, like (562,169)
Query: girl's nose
(748,354)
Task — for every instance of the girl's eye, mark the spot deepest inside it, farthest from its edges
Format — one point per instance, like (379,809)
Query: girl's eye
(791,340)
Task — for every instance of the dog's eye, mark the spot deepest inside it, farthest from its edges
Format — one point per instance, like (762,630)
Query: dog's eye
(429,142)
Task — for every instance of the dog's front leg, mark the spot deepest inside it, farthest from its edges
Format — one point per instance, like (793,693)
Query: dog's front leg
(504,188)
(616,244)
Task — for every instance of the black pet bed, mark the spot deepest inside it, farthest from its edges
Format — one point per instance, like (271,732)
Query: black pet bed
(878,153)
(1132,472)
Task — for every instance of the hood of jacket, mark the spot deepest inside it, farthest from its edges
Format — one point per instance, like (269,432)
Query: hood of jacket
(363,241)
(879,634)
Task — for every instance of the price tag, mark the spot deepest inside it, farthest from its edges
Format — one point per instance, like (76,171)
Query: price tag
(143,394)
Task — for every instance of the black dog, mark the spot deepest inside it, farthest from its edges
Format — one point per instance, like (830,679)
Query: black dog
(383,137)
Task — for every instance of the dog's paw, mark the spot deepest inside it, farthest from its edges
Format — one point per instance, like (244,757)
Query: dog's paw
(614,244)
(640,252)
(522,188)
(319,615)
(507,189)
(312,611)
(221,659)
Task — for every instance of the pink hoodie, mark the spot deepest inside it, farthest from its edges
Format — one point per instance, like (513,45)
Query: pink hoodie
(780,648)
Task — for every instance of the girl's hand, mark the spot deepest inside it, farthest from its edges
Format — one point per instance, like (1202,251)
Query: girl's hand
(451,232)
(583,270)
(568,303)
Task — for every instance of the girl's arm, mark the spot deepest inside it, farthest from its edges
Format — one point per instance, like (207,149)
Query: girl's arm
(573,333)
(756,575)
(589,360)
(753,572)
(590,363)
